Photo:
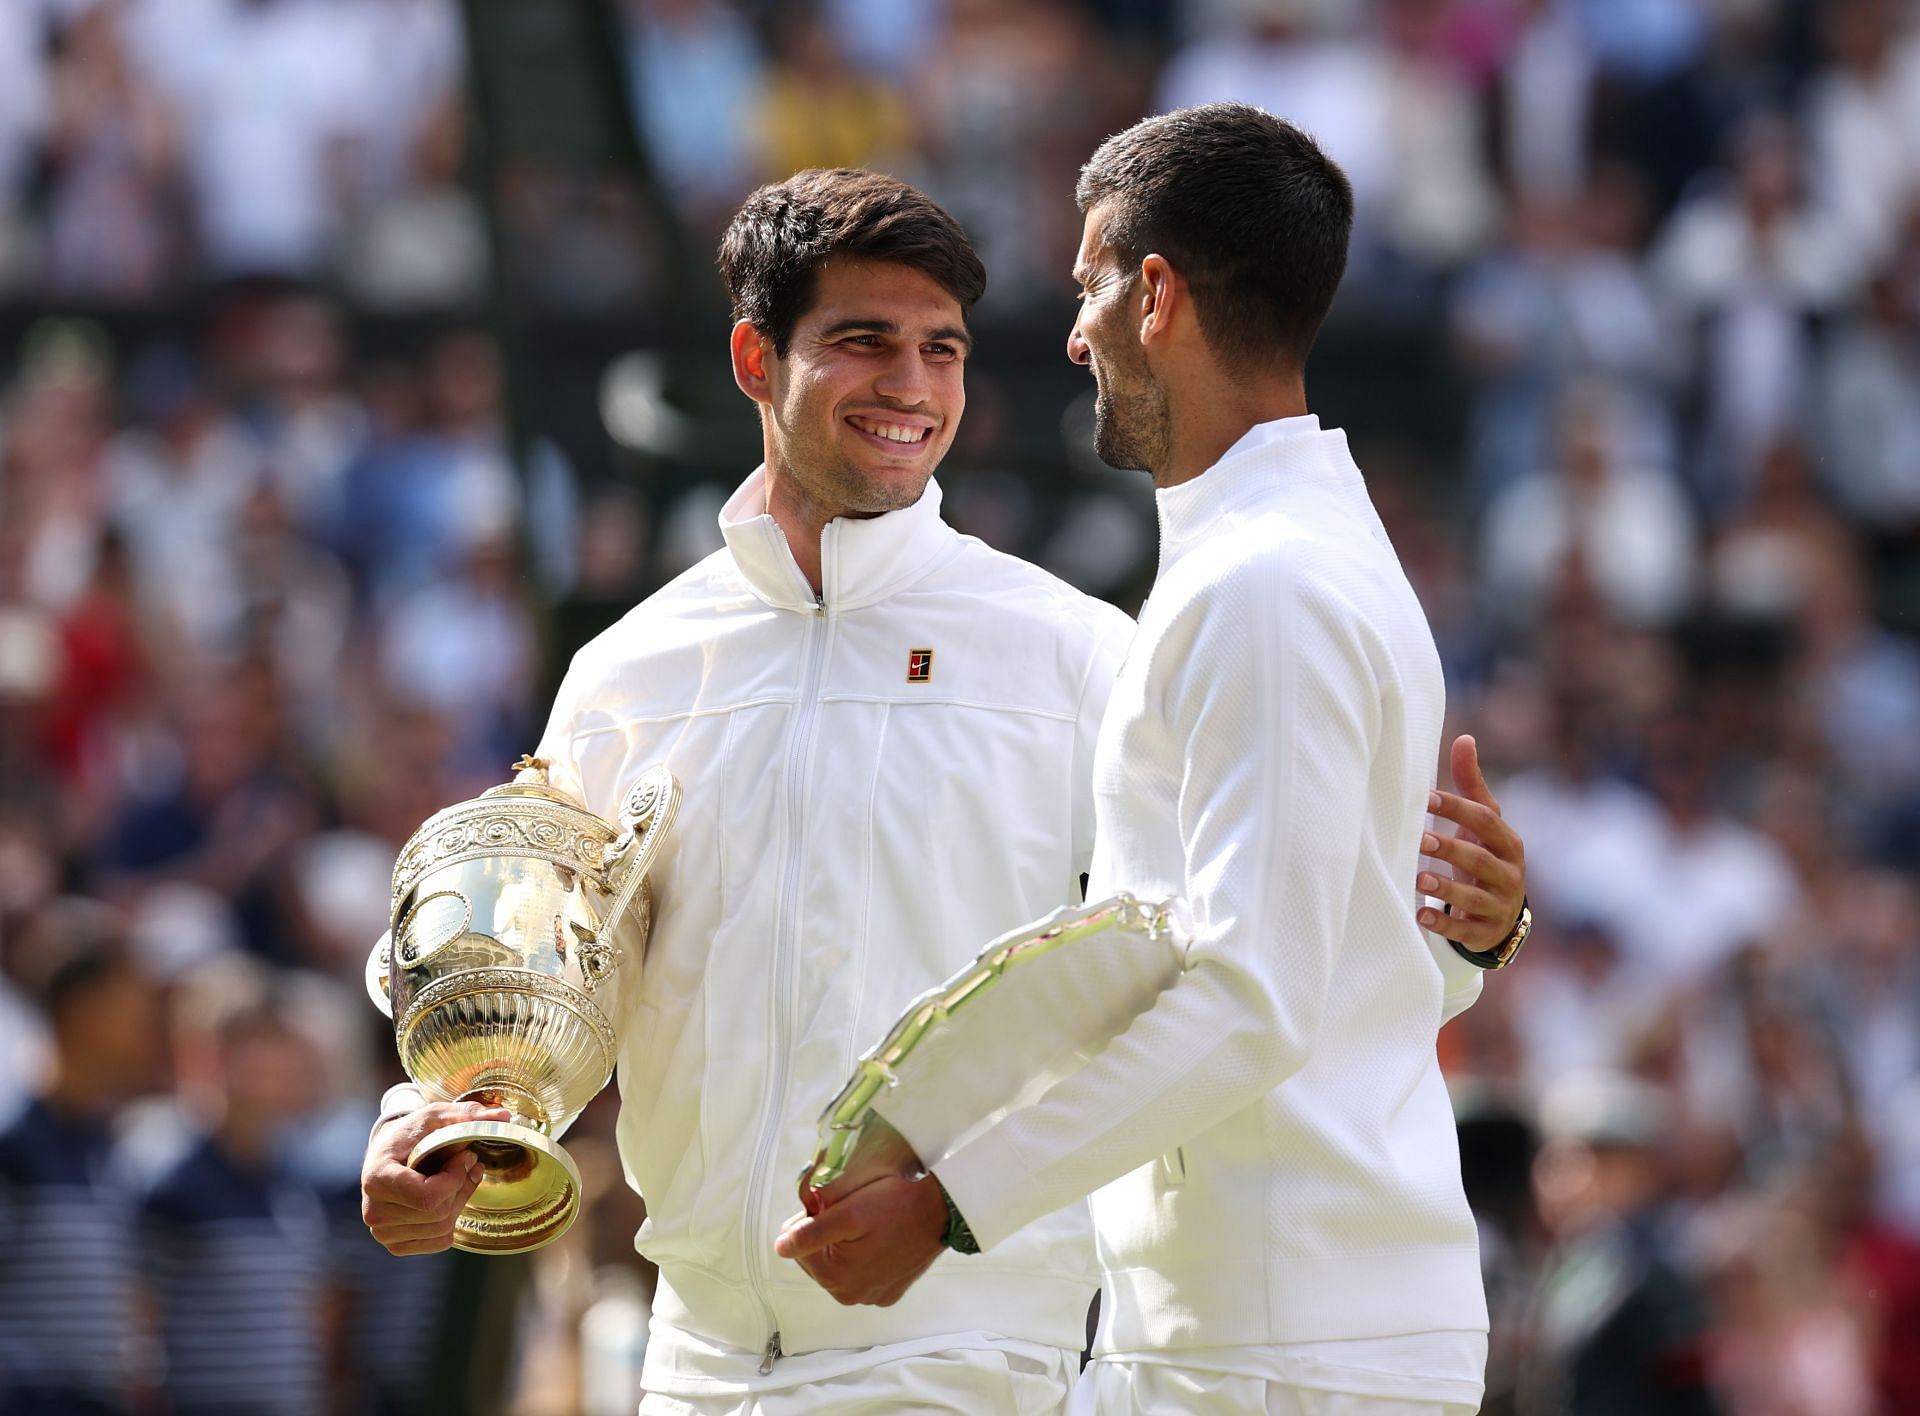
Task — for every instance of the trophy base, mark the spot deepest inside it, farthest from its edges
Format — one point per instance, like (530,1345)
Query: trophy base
(529,1192)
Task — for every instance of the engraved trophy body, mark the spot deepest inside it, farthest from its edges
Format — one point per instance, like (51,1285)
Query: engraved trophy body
(519,925)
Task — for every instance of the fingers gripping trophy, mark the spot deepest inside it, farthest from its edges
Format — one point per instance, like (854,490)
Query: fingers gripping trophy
(519,924)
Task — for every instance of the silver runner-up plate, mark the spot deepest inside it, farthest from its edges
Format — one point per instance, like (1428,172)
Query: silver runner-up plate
(1033,1008)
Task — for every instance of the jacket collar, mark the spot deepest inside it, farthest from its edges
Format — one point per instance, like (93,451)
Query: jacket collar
(862,560)
(1270,459)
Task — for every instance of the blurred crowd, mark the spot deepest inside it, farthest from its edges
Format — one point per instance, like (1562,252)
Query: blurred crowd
(273,589)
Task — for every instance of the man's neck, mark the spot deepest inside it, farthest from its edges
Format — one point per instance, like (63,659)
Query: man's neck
(799,518)
(1218,415)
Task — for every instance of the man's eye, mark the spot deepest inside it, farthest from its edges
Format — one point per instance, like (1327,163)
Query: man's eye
(941,351)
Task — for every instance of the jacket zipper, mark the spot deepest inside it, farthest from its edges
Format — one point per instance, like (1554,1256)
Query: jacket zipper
(799,758)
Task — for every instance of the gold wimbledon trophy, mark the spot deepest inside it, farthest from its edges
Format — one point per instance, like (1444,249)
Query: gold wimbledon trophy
(519,924)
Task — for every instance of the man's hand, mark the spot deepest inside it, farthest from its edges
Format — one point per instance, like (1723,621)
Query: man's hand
(1487,856)
(407,1211)
(871,1245)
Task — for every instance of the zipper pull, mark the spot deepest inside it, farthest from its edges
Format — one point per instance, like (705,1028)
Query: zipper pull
(773,1351)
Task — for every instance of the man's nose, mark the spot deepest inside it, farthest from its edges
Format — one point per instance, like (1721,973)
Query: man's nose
(1077,349)
(904,379)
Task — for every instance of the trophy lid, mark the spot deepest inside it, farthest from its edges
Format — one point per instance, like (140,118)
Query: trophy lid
(531,780)
(527,816)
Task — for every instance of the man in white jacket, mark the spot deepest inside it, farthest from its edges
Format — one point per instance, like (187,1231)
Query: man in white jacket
(884,731)
(1269,1148)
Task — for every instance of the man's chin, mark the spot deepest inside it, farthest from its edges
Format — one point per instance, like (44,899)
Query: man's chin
(878,490)
(1117,453)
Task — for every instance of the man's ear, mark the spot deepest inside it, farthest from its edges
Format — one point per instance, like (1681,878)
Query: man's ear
(1161,294)
(752,352)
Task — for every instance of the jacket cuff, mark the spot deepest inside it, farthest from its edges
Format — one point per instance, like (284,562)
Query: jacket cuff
(981,1186)
(398,1100)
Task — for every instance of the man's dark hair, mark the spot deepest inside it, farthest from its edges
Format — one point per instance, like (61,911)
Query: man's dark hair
(1245,206)
(71,947)
(785,232)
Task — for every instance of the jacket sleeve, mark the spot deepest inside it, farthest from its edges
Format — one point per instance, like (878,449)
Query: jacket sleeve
(1461,980)
(1269,700)
(1111,636)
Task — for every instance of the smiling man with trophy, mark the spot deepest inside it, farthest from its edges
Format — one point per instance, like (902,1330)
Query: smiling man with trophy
(883,731)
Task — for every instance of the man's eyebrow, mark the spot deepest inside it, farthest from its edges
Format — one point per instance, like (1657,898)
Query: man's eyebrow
(953,334)
(847,326)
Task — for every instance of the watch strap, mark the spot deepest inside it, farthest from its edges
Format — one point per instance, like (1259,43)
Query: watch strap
(1507,950)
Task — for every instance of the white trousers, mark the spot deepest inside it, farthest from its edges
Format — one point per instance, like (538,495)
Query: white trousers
(1153,1389)
(961,1382)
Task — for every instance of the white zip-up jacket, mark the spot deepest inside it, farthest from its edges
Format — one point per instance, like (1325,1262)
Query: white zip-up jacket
(1273,1136)
(877,782)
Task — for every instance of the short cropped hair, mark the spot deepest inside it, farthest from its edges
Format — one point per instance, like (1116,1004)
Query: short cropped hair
(1245,206)
(784,233)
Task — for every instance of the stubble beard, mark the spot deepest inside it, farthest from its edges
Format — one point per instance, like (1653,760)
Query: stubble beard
(1130,429)
(836,485)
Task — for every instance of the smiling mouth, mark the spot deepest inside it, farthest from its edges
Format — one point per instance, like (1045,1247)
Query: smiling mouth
(893,435)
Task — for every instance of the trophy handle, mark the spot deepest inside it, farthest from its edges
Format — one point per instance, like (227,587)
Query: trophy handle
(645,815)
(379,968)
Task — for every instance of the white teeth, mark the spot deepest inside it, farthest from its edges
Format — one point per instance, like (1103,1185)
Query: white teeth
(892,432)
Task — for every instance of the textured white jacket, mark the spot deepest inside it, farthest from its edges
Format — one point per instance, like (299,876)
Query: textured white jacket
(848,838)
(1273,1136)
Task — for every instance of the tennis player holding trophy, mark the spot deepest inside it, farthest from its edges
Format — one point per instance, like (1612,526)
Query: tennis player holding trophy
(1268,1145)
(884,734)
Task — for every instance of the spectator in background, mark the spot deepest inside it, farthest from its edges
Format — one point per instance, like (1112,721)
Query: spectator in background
(1282,55)
(818,110)
(1618,1327)
(287,359)
(696,71)
(1566,296)
(1400,122)
(465,647)
(1738,885)
(888,38)
(55,438)
(240,1259)
(177,478)
(1622,526)
(68,1267)
(416,505)
(271,98)
(1860,684)
(230,816)
(1869,419)
(1007,106)
(425,245)
(1749,265)
(1442,202)
(115,221)
(1863,123)
(1786,1344)
(1544,105)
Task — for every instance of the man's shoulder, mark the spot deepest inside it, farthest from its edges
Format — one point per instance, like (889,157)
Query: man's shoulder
(684,610)
(1019,593)
(1259,553)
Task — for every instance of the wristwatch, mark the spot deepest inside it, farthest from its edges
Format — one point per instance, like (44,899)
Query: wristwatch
(1503,953)
(958,1237)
